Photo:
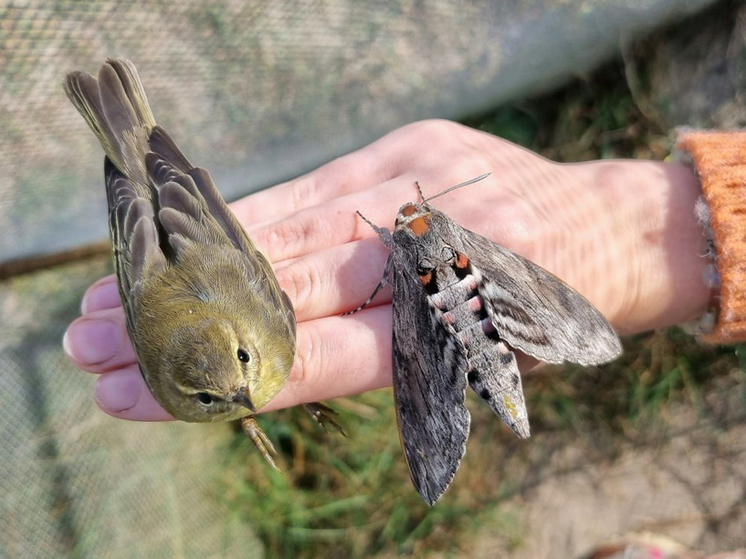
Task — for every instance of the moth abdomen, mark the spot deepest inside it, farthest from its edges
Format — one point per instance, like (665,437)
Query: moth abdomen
(494,376)
(462,315)
(492,369)
(451,289)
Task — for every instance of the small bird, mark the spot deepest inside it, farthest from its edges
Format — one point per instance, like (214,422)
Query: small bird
(213,331)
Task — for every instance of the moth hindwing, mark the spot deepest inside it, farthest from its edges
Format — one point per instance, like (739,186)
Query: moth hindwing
(461,305)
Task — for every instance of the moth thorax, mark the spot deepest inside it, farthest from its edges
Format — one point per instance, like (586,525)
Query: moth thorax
(414,218)
(419,226)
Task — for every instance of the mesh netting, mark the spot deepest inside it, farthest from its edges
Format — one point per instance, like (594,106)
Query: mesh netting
(258,92)
(78,482)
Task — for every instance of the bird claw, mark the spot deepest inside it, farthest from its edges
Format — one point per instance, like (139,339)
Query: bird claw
(323,416)
(260,439)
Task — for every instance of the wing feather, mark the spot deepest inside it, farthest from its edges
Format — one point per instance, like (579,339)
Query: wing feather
(134,237)
(192,208)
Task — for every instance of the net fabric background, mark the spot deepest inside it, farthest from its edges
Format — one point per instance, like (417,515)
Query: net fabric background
(256,93)
(259,92)
(76,482)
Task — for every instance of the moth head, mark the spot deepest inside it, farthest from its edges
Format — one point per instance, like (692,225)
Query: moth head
(415,217)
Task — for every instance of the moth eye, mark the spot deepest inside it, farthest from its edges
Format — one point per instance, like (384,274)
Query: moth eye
(205,399)
(243,355)
(425,265)
(447,254)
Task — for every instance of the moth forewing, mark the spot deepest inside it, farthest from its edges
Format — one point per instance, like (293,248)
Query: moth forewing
(432,418)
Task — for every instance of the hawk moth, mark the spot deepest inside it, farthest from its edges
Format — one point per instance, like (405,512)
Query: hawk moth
(461,305)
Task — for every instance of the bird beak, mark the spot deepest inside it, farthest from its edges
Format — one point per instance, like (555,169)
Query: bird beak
(244,398)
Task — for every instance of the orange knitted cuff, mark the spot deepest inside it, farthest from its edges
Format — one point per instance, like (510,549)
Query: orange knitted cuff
(720,161)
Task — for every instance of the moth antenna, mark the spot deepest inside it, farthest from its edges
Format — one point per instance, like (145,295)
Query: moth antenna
(383,233)
(419,189)
(447,190)
(369,222)
(382,283)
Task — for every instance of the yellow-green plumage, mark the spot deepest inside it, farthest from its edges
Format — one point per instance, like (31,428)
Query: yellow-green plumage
(213,331)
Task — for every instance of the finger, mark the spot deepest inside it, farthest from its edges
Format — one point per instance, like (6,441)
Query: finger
(349,173)
(98,342)
(103,294)
(321,284)
(332,222)
(343,355)
(322,369)
(399,152)
(336,280)
(339,356)
(335,222)
(437,148)
(124,394)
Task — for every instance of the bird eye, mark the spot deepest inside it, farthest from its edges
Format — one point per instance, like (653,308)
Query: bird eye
(205,399)
(243,355)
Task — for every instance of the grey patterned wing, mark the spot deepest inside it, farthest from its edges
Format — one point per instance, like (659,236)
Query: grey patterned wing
(429,386)
(536,312)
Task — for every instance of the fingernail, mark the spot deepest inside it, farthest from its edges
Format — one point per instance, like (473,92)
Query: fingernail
(117,392)
(91,341)
(104,296)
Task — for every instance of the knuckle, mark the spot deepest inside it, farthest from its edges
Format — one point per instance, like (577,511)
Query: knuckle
(306,231)
(301,282)
(279,239)
(303,190)
(513,223)
(433,130)
(310,189)
(289,237)
(519,236)
(453,154)
(289,284)
(308,361)
(472,164)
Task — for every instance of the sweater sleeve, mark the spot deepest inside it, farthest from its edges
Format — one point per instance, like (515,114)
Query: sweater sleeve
(719,159)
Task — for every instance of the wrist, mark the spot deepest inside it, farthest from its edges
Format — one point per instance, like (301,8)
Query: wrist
(659,277)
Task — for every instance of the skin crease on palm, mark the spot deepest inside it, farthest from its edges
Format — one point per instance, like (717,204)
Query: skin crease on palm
(621,232)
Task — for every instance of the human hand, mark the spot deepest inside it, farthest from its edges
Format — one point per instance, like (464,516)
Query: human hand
(622,233)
